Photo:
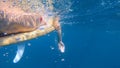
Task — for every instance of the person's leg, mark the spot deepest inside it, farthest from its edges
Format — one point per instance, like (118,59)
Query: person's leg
(57,26)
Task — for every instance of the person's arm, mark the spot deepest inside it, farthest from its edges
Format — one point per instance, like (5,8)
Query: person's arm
(57,26)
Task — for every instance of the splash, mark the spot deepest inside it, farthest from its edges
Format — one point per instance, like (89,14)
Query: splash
(55,7)
(45,8)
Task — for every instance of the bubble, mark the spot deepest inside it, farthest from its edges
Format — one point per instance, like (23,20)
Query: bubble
(20,1)
(14,4)
(18,39)
(55,61)
(4,55)
(119,1)
(4,0)
(5,48)
(103,3)
(52,48)
(48,34)
(5,33)
(29,44)
(62,59)
(28,1)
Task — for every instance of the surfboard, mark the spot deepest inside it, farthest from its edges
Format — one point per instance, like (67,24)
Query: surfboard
(42,30)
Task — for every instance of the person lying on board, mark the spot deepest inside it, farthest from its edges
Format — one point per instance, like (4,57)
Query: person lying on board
(15,20)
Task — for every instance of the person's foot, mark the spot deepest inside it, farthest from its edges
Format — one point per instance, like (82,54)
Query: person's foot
(61,46)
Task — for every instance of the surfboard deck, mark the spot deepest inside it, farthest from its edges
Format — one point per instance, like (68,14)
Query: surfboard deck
(42,30)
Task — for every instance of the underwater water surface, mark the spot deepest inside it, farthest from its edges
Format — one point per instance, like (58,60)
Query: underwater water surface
(91,34)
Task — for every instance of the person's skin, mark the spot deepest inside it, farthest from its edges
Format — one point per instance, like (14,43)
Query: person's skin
(15,20)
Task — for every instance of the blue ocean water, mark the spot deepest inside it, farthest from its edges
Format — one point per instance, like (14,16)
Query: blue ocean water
(91,34)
